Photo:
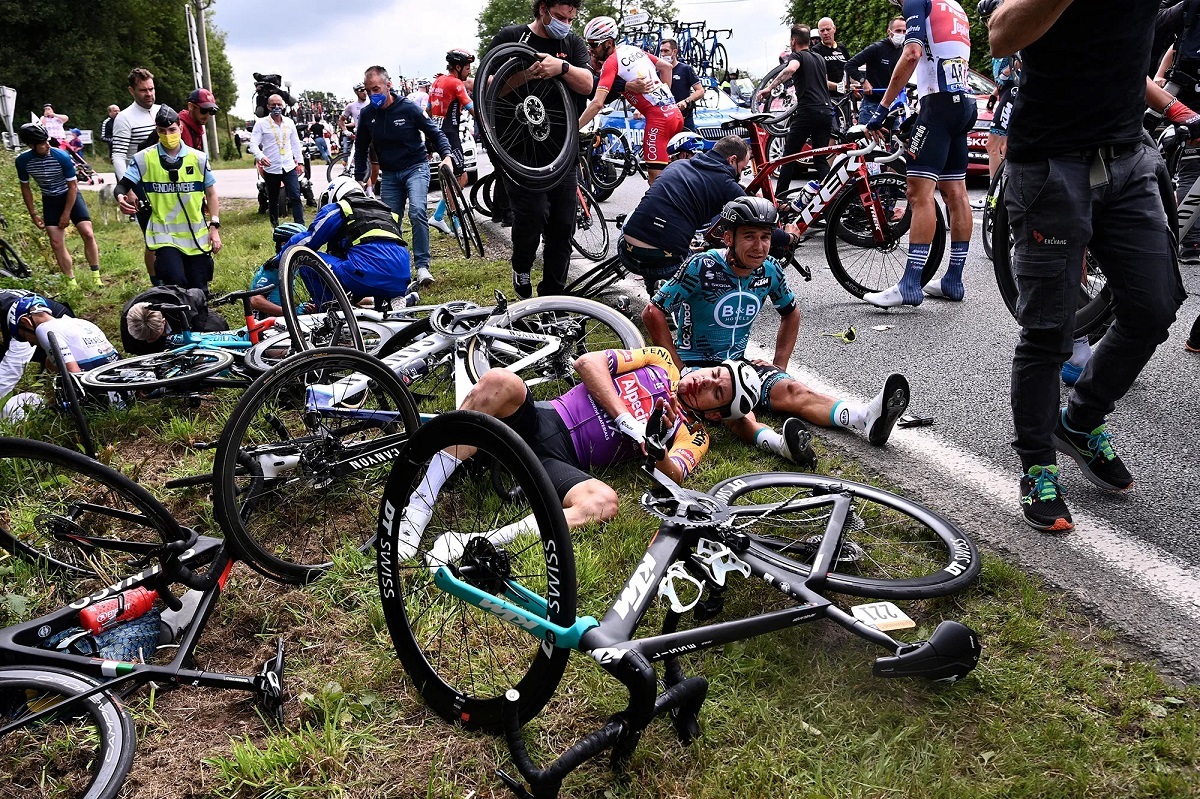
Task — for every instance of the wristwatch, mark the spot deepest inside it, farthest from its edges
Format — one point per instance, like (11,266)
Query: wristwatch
(215,222)
(566,67)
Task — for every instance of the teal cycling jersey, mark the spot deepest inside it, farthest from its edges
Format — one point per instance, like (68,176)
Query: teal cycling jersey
(266,276)
(714,308)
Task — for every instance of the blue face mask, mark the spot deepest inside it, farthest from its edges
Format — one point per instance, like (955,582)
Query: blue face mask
(276,110)
(378,100)
(558,29)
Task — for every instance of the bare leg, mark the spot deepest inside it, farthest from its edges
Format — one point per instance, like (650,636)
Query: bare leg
(61,253)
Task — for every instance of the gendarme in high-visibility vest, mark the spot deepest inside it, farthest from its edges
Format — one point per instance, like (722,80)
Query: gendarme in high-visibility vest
(176,206)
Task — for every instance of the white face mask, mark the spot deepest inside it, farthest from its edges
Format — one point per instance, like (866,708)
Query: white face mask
(897,39)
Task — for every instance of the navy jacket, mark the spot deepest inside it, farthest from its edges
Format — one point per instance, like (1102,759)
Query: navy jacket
(879,59)
(686,197)
(395,132)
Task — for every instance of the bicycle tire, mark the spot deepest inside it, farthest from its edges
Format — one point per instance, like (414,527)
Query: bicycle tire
(1096,306)
(892,547)
(462,669)
(720,60)
(319,474)
(858,262)
(58,508)
(340,327)
(66,391)
(91,744)
(531,129)
(695,55)
(270,352)
(466,227)
(780,103)
(582,324)
(987,221)
(591,235)
(597,279)
(171,369)
(483,194)
(340,166)
(13,266)
(611,159)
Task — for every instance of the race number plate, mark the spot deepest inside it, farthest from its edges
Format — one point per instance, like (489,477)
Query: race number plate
(883,616)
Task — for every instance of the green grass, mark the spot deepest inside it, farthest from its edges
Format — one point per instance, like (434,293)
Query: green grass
(1057,708)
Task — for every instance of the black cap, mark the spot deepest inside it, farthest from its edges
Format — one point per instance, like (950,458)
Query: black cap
(166,116)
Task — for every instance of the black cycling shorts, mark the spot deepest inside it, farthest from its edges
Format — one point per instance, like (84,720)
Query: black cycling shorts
(938,148)
(53,206)
(456,151)
(1003,109)
(548,436)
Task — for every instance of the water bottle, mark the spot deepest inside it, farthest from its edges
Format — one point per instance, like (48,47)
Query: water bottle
(108,613)
(810,190)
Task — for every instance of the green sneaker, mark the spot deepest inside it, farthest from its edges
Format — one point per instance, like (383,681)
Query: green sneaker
(1094,453)
(1042,501)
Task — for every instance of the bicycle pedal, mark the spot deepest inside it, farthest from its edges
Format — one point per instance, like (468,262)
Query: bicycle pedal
(268,684)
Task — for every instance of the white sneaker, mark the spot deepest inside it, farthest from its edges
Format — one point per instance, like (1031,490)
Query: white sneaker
(888,298)
(885,408)
(424,277)
(440,224)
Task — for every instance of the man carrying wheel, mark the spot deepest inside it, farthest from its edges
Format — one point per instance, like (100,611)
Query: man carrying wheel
(655,101)
(715,299)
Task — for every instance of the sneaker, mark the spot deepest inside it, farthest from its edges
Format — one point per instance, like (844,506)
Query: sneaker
(1094,453)
(96,279)
(523,285)
(424,277)
(1071,373)
(407,301)
(798,439)
(886,407)
(979,205)
(440,224)
(1189,255)
(1042,502)
(888,298)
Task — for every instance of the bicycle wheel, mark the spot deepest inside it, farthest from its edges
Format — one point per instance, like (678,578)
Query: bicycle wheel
(81,523)
(83,751)
(610,159)
(857,258)
(891,548)
(301,463)
(268,353)
(591,231)
(11,264)
(430,378)
(530,127)
(719,63)
(305,279)
(483,194)
(171,369)
(780,103)
(66,394)
(340,166)
(462,217)
(581,325)
(595,280)
(988,220)
(1095,303)
(460,658)
(695,55)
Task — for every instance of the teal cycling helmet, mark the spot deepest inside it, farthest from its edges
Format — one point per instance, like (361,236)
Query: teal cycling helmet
(283,233)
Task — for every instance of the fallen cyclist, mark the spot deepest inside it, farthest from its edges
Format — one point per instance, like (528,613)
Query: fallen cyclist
(598,423)
(715,298)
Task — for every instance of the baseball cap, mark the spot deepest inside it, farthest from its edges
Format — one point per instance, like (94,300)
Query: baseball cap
(204,98)
(48,105)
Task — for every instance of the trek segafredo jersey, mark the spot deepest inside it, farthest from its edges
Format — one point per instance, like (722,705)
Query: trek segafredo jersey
(941,27)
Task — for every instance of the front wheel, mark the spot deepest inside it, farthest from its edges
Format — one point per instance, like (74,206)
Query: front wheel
(610,159)
(867,235)
(340,166)
(591,231)
(307,281)
(891,547)
(493,521)
(780,102)
(66,394)
(459,215)
(84,750)
(171,369)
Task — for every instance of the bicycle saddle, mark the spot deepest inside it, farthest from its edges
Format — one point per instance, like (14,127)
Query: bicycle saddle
(738,121)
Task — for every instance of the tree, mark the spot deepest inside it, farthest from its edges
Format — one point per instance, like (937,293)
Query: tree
(499,13)
(860,22)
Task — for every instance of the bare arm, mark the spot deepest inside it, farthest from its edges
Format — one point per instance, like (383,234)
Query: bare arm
(1168,60)
(594,106)
(27,196)
(660,334)
(785,339)
(784,75)
(1020,23)
(214,208)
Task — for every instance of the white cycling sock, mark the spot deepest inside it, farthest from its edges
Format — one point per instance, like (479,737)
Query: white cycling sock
(449,546)
(855,415)
(768,440)
(420,504)
(1081,352)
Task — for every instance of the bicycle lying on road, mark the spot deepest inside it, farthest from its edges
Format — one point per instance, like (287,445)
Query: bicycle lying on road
(480,600)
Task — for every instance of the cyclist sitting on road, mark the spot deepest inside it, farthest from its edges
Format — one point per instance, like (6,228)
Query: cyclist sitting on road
(448,97)
(715,299)
(83,345)
(598,423)
(144,330)
(366,252)
(654,102)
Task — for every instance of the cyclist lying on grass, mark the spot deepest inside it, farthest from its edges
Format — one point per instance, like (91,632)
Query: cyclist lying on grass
(598,423)
(715,299)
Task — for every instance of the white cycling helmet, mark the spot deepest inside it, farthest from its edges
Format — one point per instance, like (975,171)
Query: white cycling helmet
(339,188)
(747,388)
(685,142)
(600,28)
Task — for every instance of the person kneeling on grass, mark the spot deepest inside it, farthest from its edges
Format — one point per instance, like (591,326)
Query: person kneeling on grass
(715,298)
(598,423)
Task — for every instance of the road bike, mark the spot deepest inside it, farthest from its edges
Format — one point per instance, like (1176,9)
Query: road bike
(93,540)
(459,214)
(301,462)
(11,264)
(714,58)
(479,590)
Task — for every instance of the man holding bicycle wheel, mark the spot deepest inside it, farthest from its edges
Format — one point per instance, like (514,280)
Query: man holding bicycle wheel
(715,299)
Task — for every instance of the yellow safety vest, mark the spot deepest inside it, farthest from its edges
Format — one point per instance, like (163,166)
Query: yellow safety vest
(176,205)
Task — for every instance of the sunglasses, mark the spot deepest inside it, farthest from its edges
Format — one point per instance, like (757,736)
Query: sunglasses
(846,337)
(594,45)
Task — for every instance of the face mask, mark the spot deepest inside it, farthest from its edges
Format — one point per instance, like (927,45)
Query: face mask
(169,140)
(558,29)
(378,100)
(276,110)
(897,39)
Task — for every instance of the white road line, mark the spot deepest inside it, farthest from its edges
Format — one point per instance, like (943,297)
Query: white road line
(1168,577)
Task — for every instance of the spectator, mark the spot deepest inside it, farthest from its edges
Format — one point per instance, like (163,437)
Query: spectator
(317,131)
(872,67)
(275,145)
(73,142)
(392,126)
(53,123)
(420,95)
(106,128)
(62,203)
(813,118)
(194,119)
(179,187)
(15,353)
(130,128)
(685,85)
(835,56)
(348,122)
(144,330)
